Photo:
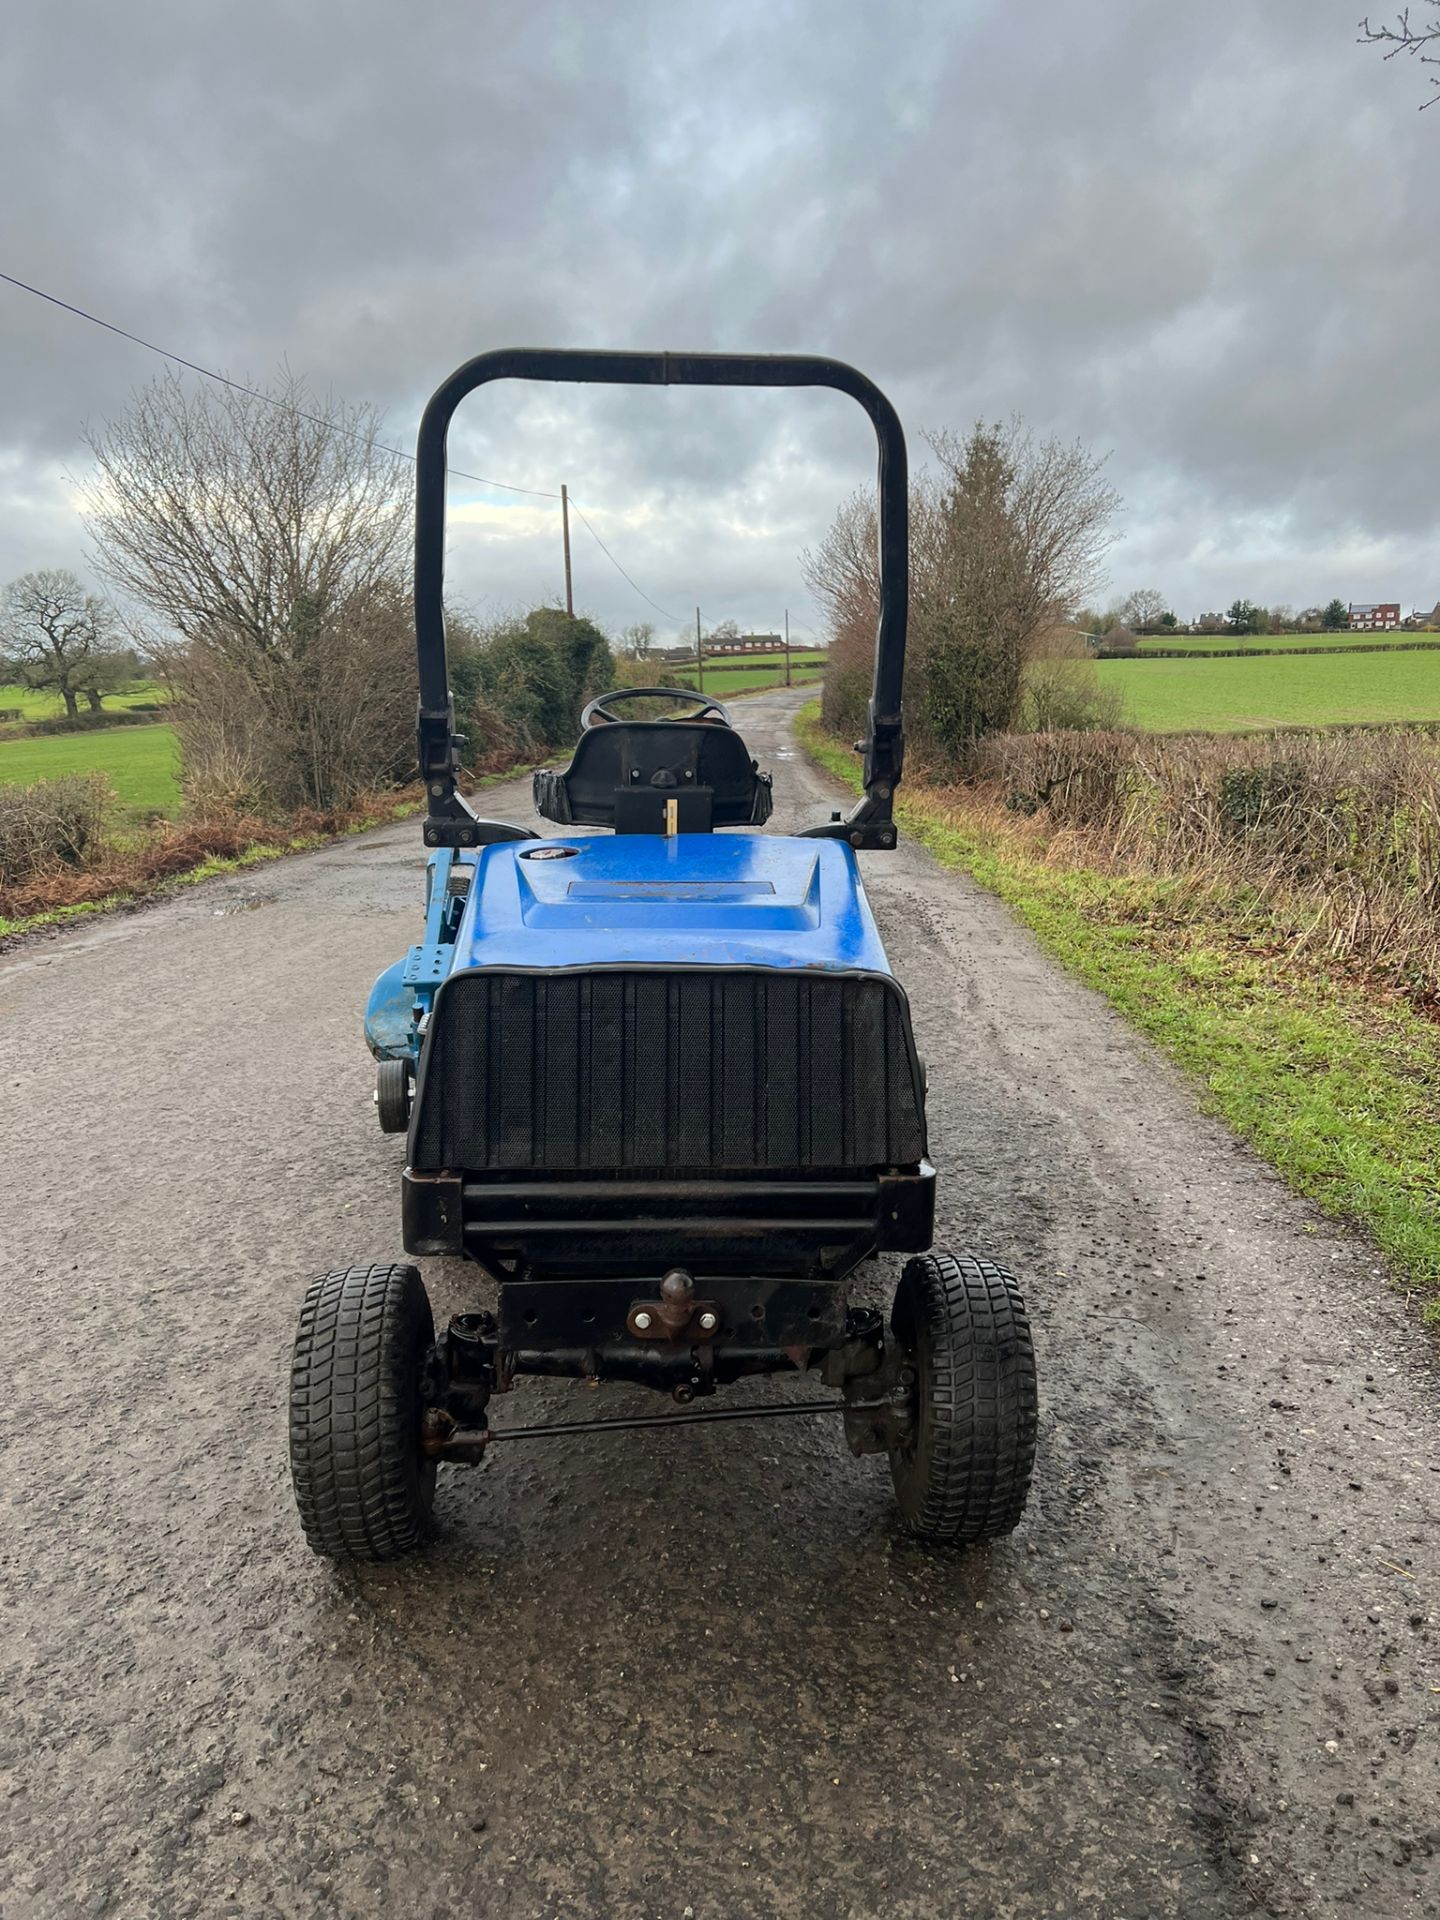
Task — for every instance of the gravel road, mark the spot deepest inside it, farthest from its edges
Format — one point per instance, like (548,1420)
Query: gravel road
(700,1676)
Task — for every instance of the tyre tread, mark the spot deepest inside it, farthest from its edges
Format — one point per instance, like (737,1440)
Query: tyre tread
(971,1482)
(362,1486)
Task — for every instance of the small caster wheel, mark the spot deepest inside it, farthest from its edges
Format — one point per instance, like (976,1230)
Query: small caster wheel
(963,1474)
(363,1482)
(392,1095)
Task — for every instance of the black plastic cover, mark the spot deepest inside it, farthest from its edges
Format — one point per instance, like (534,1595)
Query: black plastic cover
(666,1069)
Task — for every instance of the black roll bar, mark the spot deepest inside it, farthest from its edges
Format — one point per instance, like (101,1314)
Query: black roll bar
(450,822)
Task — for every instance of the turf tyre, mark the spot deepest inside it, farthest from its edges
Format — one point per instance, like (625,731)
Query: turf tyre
(964,1475)
(392,1095)
(364,1487)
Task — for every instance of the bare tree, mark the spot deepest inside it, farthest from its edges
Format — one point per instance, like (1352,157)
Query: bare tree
(311,727)
(1401,37)
(843,573)
(638,641)
(1008,534)
(58,636)
(1146,607)
(269,534)
(1011,541)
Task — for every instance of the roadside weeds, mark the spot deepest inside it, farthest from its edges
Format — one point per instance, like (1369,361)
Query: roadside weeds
(1331,1078)
(174,857)
(181,856)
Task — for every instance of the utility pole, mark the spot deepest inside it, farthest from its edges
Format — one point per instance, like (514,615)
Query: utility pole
(565,528)
(787,646)
(699,654)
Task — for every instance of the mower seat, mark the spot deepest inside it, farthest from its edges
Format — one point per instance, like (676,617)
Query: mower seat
(657,776)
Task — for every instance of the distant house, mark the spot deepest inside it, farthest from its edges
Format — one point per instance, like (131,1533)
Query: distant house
(746,643)
(1375,616)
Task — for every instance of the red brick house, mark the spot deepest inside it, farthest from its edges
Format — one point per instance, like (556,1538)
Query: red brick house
(1375,616)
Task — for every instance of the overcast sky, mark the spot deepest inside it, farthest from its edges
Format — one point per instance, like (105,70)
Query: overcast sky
(1199,238)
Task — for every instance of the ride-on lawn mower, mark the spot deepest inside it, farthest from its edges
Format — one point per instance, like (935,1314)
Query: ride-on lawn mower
(660,1086)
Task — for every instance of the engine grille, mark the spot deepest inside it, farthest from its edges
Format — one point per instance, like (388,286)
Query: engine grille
(675,1070)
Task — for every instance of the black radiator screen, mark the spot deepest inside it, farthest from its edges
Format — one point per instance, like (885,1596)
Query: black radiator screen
(687,1069)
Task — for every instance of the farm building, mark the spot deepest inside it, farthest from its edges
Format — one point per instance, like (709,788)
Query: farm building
(1374,616)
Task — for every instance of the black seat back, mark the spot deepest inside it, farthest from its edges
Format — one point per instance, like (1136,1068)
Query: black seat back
(626,773)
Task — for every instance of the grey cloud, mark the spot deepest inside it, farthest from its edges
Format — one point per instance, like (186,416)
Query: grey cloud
(1198,238)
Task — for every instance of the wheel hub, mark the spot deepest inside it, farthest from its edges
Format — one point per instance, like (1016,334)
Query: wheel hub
(879,1379)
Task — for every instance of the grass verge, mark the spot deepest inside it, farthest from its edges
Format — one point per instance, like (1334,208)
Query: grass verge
(1337,1086)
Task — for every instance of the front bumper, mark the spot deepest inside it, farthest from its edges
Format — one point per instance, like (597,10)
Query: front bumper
(807,1225)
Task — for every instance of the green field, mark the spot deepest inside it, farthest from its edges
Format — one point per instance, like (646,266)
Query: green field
(753,672)
(799,657)
(49,706)
(723,680)
(139,762)
(1262,642)
(1313,690)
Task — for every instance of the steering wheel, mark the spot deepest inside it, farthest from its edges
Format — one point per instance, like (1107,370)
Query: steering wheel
(710,711)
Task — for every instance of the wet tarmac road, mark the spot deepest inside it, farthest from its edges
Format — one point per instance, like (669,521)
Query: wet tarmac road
(699,1674)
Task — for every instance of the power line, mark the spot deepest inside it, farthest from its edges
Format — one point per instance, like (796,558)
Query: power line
(238,386)
(617,566)
(284,406)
